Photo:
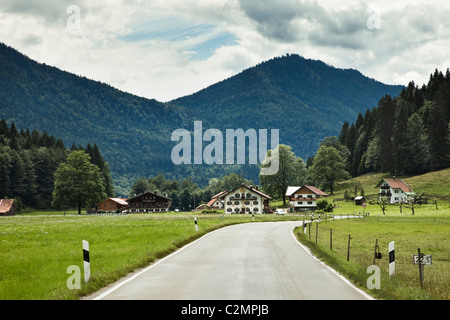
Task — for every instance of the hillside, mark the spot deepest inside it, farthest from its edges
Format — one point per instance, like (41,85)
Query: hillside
(131,132)
(432,184)
(307,100)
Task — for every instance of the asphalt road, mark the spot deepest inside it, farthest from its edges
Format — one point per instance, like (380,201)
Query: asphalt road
(253,261)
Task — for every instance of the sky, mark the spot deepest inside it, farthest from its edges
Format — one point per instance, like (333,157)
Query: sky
(165,49)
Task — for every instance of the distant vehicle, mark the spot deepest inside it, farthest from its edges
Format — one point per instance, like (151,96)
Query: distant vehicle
(279,211)
(176,210)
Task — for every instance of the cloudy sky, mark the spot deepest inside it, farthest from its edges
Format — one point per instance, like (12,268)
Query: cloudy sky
(164,49)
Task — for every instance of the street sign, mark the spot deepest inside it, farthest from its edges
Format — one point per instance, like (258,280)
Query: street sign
(426,260)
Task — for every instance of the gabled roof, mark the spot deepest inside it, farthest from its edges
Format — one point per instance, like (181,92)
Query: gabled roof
(120,201)
(211,202)
(291,190)
(220,194)
(396,184)
(317,191)
(251,189)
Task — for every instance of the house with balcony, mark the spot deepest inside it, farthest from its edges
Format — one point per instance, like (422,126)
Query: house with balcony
(148,202)
(246,199)
(394,190)
(304,198)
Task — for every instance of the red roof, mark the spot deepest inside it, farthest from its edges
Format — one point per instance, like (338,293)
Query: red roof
(220,194)
(396,184)
(317,191)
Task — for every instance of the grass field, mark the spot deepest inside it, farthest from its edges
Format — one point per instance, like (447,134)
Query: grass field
(37,249)
(428,229)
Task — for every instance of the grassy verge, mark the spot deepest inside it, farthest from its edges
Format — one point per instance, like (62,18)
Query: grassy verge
(37,249)
(428,230)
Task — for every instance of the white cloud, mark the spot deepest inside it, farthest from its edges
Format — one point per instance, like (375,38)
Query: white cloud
(164,49)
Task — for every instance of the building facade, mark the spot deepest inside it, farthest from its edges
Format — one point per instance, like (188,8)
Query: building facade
(112,204)
(304,198)
(394,191)
(148,202)
(246,199)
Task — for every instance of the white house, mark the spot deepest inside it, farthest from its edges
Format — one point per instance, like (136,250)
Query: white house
(216,202)
(394,190)
(246,199)
(304,198)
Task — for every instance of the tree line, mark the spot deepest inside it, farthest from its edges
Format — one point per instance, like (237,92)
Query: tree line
(408,134)
(29,160)
(187,195)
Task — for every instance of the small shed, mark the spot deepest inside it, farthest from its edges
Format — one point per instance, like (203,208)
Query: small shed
(7,207)
(360,200)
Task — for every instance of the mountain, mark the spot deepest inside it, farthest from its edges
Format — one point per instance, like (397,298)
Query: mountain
(306,100)
(130,131)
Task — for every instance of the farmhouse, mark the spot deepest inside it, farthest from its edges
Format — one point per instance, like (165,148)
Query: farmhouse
(216,202)
(246,199)
(111,204)
(394,190)
(7,207)
(304,198)
(149,201)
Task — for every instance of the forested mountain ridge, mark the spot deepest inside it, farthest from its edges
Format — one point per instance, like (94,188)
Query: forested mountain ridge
(131,132)
(306,100)
(404,135)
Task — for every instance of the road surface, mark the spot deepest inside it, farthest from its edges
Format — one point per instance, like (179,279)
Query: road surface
(253,261)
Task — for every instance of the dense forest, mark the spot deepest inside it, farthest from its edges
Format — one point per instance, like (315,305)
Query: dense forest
(28,161)
(405,135)
(305,99)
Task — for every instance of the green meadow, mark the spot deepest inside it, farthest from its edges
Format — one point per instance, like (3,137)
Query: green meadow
(36,249)
(428,229)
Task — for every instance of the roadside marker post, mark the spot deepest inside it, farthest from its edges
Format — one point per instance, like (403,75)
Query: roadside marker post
(86,261)
(391,259)
(196,226)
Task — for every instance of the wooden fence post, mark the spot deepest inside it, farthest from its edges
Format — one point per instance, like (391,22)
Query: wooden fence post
(331,239)
(348,248)
(317,230)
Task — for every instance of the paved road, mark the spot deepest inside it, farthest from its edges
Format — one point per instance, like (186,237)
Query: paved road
(253,261)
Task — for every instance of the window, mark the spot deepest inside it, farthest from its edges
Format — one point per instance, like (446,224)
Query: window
(255,209)
(247,203)
(249,194)
(309,202)
(300,202)
(236,202)
(255,202)
(229,203)
(237,195)
(229,210)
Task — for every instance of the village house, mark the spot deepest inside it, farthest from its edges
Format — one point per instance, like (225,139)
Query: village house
(394,190)
(147,202)
(111,204)
(216,202)
(246,199)
(7,207)
(304,198)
